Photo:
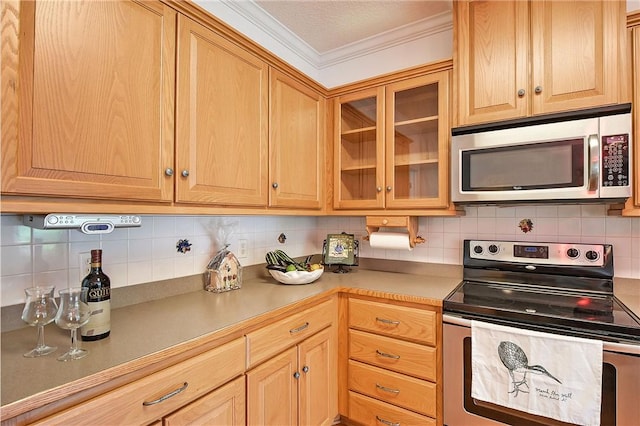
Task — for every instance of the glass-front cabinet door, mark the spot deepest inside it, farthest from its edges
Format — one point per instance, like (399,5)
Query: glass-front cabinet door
(417,142)
(359,153)
(392,145)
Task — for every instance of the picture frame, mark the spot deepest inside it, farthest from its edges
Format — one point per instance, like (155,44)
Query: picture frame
(340,249)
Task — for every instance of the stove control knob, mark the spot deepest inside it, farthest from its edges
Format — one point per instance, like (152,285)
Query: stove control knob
(592,255)
(477,249)
(493,249)
(573,253)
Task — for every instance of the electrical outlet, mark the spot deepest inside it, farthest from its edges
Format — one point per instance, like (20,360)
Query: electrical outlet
(242,249)
(84,264)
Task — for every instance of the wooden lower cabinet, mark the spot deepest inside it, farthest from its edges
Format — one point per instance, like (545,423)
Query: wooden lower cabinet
(393,365)
(297,386)
(222,407)
(178,387)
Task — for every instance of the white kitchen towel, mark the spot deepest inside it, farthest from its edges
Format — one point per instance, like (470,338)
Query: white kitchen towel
(544,374)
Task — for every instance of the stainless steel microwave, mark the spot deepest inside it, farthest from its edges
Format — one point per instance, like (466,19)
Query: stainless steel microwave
(576,157)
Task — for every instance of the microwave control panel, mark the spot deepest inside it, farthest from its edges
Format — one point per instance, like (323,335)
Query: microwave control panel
(615,160)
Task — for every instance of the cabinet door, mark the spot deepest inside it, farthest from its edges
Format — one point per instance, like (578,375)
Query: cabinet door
(221,120)
(417,142)
(359,150)
(224,407)
(636,114)
(575,54)
(318,379)
(491,60)
(89,102)
(296,145)
(272,391)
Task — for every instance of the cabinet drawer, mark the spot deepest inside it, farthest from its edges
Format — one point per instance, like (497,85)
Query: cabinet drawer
(266,342)
(391,320)
(124,405)
(393,354)
(369,411)
(394,388)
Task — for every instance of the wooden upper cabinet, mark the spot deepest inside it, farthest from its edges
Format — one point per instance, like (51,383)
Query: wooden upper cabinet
(392,145)
(514,58)
(359,150)
(221,120)
(88,100)
(296,144)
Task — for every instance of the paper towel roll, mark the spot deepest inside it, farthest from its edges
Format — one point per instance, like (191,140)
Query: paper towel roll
(390,240)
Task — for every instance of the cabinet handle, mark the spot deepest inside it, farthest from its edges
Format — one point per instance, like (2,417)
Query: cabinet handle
(386,422)
(387,321)
(389,188)
(521,93)
(299,329)
(386,389)
(185,173)
(168,171)
(274,185)
(386,355)
(305,369)
(296,375)
(379,188)
(167,396)
(538,89)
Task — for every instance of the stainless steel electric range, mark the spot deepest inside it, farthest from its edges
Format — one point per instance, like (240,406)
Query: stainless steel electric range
(556,288)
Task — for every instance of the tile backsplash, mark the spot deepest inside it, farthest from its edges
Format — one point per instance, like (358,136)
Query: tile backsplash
(139,255)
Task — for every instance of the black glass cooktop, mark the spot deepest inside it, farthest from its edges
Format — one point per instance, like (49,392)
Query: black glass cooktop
(586,313)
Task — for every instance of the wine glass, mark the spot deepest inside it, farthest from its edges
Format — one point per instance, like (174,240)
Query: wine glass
(39,310)
(72,314)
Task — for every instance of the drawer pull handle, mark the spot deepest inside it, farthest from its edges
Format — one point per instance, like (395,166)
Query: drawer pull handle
(387,321)
(167,396)
(386,355)
(386,389)
(299,329)
(386,422)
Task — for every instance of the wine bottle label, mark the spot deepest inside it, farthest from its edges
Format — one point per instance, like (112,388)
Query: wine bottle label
(100,320)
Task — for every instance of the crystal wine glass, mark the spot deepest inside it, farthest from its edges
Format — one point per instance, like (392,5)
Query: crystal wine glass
(39,310)
(73,313)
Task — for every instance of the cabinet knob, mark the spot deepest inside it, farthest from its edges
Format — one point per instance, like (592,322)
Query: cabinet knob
(388,188)
(538,89)
(385,221)
(168,171)
(185,173)
(305,369)
(521,93)
(274,185)
(296,375)
(379,188)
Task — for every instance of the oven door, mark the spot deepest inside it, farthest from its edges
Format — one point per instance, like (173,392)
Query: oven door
(620,385)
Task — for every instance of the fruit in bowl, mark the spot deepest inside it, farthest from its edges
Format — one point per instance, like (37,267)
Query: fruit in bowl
(286,270)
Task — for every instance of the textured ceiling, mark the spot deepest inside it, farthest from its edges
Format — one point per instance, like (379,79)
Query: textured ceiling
(326,25)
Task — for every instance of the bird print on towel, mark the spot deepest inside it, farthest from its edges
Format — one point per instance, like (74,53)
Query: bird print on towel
(514,358)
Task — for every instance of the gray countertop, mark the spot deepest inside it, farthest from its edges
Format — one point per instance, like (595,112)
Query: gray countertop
(143,333)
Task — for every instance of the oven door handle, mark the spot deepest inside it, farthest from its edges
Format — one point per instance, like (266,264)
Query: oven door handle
(621,348)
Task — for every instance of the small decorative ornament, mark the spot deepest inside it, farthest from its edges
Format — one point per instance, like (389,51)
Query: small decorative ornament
(183,246)
(526,225)
(223,273)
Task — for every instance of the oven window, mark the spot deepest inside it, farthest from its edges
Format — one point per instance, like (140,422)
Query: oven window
(515,417)
(534,166)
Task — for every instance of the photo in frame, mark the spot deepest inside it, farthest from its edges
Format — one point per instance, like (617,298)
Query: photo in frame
(340,249)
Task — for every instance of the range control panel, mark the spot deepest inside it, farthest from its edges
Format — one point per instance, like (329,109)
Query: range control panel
(538,253)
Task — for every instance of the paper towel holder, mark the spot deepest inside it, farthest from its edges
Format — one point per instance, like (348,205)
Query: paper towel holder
(410,223)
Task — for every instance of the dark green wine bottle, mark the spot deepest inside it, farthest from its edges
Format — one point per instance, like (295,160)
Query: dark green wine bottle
(98,299)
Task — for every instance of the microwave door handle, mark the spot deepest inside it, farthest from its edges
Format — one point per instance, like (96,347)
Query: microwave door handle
(594,162)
